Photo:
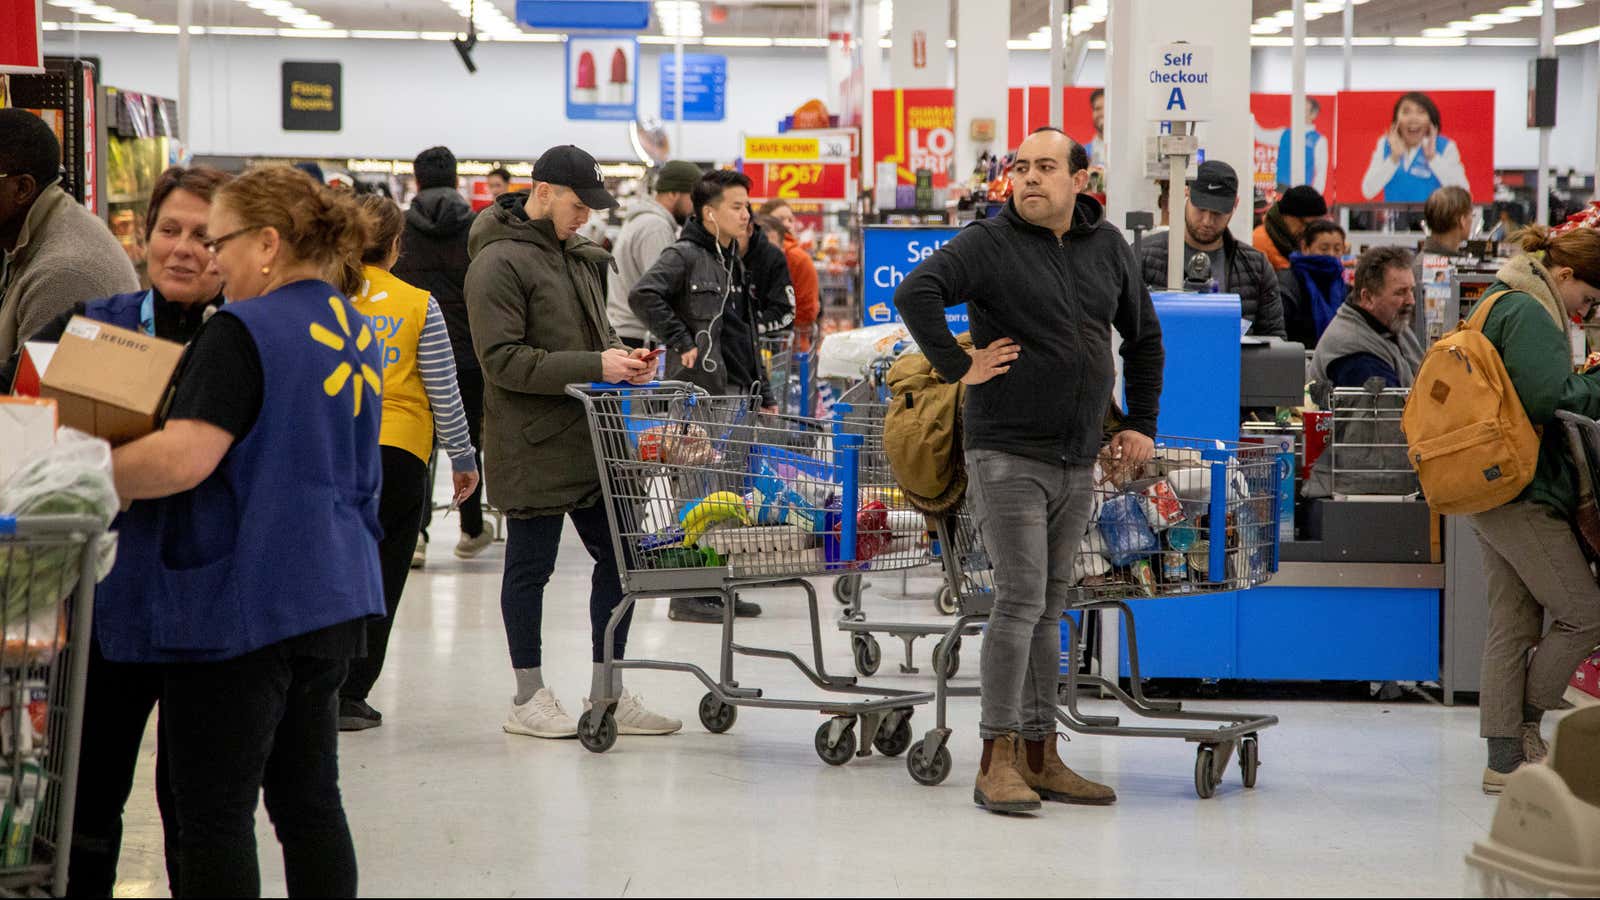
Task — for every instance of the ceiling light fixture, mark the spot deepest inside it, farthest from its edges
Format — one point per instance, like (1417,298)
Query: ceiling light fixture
(1525,11)
(680,17)
(1581,36)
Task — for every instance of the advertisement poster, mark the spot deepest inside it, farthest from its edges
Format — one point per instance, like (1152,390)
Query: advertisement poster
(1272,120)
(1083,120)
(888,254)
(915,129)
(22,36)
(602,78)
(1399,147)
(817,182)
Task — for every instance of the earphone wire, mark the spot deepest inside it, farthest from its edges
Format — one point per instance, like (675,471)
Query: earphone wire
(727,263)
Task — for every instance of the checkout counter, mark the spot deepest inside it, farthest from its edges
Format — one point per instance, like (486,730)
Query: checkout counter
(1362,592)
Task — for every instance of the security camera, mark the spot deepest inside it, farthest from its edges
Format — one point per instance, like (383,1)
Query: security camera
(464,49)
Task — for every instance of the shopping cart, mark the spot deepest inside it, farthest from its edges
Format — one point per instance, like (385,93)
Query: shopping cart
(865,417)
(46,604)
(791,369)
(705,496)
(1201,518)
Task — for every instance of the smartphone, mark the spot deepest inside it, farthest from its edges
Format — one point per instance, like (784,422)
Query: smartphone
(653,355)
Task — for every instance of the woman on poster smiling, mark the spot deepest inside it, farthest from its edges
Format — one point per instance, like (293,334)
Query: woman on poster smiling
(1412,159)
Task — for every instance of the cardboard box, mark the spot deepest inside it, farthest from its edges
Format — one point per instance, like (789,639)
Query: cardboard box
(27,429)
(110,382)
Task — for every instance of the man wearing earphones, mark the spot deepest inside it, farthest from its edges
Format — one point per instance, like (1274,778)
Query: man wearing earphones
(694,299)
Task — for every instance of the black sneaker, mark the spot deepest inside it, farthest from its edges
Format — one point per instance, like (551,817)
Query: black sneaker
(356,715)
(744,609)
(695,609)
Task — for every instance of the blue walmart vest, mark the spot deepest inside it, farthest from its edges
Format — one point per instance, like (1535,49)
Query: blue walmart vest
(282,539)
(122,310)
(1413,183)
(1313,138)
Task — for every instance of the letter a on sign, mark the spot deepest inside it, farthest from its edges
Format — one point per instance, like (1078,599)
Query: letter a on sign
(1175,101)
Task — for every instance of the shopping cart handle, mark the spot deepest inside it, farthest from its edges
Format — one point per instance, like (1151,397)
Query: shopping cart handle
(8,525)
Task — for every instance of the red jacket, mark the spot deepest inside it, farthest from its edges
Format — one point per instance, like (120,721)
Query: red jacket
(807,305)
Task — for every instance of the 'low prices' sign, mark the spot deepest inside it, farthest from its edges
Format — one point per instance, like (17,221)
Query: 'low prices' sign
(312,96)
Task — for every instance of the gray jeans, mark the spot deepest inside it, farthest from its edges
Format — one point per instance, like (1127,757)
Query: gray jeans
(1532,565)
(1032,517)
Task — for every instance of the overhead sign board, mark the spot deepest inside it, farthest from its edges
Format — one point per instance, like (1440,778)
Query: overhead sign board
(705,87)
(578,15)
(22,36)
(313,96)
(1179,83)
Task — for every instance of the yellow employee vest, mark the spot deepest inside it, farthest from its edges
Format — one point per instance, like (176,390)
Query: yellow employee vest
(397,312)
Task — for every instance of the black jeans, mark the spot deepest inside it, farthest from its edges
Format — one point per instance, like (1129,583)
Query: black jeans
(400,514)
(531,546)
(118,701)
(267,721)
(471,511)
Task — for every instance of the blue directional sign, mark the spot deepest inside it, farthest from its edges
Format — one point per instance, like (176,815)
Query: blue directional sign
(888,254)
(602,15)
(705,87)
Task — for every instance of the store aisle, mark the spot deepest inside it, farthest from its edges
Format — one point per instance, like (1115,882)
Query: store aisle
(1354,798)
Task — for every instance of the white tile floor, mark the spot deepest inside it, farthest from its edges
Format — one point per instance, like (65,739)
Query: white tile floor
(1354,798)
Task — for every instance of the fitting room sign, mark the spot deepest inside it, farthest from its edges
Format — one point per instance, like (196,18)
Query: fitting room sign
(313,96)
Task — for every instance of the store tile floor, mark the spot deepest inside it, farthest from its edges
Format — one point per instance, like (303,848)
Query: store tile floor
(1362,798)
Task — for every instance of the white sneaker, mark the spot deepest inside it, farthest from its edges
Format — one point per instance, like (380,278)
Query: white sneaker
(633,718)
(470,547)
(419,556)
(541,717)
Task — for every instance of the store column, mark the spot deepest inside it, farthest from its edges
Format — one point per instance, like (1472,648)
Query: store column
(919,57)
(983,64)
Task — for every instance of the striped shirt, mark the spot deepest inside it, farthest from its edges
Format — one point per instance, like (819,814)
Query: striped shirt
(437,363)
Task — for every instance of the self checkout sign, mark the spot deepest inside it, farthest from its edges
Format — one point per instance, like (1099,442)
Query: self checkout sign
(888,254)
(1179,83)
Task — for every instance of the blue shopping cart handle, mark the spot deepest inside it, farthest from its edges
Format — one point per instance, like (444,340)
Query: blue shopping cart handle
(8,525)
(628,386)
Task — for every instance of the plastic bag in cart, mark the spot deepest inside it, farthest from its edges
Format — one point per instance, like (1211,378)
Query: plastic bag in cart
(851,354)
(1127,533)
(71,478)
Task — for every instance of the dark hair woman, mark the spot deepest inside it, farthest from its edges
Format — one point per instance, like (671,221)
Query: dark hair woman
(1413,159)
(269,456)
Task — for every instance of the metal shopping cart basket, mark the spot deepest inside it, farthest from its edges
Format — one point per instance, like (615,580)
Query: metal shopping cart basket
(791,368)
(46,603)
(706,496)
(865,417)
(1202,518)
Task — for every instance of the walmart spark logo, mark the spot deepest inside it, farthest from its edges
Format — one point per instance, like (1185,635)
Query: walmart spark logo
(344,372)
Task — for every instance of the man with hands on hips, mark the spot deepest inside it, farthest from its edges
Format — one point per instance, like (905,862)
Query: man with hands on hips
(1044,282)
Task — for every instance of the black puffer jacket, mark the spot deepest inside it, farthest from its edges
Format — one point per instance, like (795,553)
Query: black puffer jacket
(1058,298)
(433,257)
(1249,275)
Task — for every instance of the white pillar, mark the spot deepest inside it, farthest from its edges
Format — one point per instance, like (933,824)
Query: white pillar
(1297,100)
(871,73)
(185,21)
(1349,42)
(919,57)
(1547,47)
(982,76)
(678,149)
(1058,62)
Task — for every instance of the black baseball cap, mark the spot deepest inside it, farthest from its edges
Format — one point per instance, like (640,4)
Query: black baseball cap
(1215,187)
(571,167)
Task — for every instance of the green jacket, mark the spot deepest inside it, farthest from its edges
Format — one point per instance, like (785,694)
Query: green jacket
(538,311)
(1523,326)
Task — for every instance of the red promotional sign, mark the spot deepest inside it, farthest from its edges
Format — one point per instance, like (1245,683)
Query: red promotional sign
(1271,159)
(814,181)
(1030,110)
(1398,147)
(21,36)
(915,129)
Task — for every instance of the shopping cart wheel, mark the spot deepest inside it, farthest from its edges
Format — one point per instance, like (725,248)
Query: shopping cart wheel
(947,601)
(845,588)
(840,753)
(867,653)
(947,660)
(1249,760)
(895,742)
(597,737)
(1205,774)
(717,716)
(928,772)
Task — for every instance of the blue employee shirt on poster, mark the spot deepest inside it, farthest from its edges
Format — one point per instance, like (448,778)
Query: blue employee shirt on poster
(705,87)
(888,254)
(597,88)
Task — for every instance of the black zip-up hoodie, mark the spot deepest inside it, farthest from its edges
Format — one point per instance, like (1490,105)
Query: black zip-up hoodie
(433,256)
(1058,299)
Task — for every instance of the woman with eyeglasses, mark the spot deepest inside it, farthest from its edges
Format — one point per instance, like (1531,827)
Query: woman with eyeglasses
(264,565)
(185,288)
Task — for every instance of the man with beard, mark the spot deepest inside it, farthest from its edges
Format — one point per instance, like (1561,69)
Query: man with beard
(1233,267)
(651,226)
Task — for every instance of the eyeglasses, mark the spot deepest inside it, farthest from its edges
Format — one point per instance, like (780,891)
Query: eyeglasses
(215,244)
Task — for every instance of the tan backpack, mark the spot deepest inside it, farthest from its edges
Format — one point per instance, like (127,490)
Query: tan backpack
(1468,436)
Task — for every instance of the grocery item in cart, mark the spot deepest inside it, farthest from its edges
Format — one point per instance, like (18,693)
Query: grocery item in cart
(1161,505)
(1126,531)
(677,445)
(722,506)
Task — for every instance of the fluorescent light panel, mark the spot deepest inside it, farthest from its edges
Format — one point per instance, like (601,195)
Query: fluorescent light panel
(680,17)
